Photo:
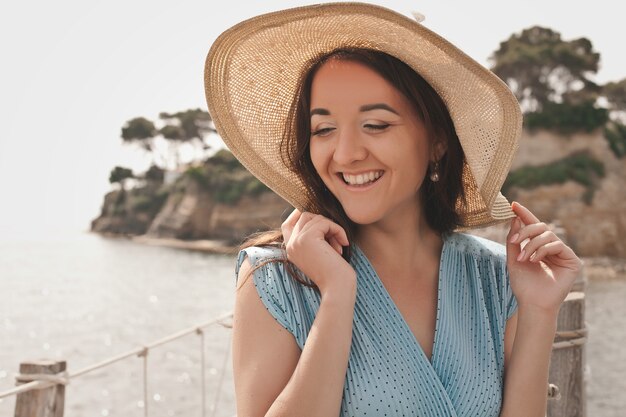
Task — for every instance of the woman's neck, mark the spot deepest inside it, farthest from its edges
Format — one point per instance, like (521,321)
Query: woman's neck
(400,244)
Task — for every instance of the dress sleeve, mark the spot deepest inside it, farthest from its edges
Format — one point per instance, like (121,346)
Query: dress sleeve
(511,301)
(273,285)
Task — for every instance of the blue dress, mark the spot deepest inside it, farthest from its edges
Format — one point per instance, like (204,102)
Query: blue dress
(388,372)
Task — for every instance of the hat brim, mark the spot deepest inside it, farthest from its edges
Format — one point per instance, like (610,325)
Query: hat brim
(252,72)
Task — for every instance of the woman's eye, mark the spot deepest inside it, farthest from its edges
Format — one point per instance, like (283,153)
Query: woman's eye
(376,127)
(322,132)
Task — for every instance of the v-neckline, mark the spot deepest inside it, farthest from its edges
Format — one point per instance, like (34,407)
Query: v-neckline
(397,311)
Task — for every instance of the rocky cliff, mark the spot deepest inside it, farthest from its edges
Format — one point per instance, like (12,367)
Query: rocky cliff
(218,201)
(195,214)
(595,222)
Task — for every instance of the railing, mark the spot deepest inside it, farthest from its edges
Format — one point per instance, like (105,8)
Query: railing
(43,383)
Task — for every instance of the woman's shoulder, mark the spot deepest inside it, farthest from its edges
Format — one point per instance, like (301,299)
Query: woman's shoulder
(285,299)
(259,254)
(476,245)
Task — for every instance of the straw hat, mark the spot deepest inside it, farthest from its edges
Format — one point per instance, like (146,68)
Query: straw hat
(252,72)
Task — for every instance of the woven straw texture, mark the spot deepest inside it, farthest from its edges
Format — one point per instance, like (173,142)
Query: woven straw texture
(252,71)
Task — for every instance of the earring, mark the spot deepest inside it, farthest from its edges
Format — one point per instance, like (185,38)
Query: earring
(434,172)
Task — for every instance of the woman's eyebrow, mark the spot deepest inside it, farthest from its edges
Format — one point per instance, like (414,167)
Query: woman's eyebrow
(376,106)
(364,108)
(319,111)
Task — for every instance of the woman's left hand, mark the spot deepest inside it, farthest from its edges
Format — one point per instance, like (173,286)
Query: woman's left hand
(543,271)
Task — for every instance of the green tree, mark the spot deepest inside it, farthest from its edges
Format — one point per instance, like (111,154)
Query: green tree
(190,126)
(154,175)
(615,94)
(540,67)
(142,132)
(120,175)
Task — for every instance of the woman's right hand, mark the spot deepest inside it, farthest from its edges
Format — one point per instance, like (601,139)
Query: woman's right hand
(314,244)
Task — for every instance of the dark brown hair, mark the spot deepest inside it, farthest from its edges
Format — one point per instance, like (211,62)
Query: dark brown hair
(439,198)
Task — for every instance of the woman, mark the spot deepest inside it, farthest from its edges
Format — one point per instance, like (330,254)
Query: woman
(367,302)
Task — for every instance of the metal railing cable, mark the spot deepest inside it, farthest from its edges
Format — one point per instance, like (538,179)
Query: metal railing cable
(46,381)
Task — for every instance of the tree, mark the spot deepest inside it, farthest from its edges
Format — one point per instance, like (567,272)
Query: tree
(154,175)
(190,126)
(540,67)
(120,175)
(615,94)
(141,131)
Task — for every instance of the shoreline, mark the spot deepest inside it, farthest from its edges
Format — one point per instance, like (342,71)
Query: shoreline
(597,268)
(201,245)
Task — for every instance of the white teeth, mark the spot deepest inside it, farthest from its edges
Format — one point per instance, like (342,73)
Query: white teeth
(362,178)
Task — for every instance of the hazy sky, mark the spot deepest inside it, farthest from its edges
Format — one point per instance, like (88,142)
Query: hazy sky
(72,72)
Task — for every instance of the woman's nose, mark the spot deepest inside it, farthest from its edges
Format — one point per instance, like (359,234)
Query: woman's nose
(349,148)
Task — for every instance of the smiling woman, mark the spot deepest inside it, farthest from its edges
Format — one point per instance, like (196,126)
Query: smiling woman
(369,300)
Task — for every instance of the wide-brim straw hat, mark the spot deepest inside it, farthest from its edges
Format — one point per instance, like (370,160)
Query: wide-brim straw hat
(253,69)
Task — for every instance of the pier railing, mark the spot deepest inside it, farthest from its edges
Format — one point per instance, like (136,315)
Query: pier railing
(41,389)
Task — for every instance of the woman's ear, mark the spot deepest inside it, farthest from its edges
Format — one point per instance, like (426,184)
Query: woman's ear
(438,149)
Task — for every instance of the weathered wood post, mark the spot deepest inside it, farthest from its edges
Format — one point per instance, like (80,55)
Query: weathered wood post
(47,402)
(567,363)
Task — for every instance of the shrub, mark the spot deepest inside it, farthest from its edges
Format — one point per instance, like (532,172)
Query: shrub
(226,179)
(150,203)
(567,118)
(198,174)
(579,167)
(615,134)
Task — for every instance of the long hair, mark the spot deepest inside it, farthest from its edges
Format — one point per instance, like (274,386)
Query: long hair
(439,198)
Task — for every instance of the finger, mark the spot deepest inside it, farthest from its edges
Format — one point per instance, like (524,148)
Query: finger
(512,249)
(287,226)
(328,228)
(292,218)
(530,231)
(335,245)
(304,218)
(534,244)
(565,256)
(524,214)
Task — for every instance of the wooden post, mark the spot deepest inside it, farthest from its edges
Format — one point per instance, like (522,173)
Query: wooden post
(567,360)
(47,402)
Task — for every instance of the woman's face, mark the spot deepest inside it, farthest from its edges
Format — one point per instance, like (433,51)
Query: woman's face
(367,143)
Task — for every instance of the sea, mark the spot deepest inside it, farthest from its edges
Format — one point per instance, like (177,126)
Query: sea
(83,298)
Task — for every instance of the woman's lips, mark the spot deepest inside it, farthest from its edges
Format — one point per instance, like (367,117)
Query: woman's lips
(359,187)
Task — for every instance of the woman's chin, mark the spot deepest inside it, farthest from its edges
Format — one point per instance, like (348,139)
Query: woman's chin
(362,217)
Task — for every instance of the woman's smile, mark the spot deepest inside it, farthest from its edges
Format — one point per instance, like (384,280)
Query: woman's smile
(361,180)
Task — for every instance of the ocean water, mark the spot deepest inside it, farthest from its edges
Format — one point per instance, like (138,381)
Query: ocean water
(84,298)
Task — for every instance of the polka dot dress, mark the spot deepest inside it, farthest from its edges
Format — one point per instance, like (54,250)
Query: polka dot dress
(388,372)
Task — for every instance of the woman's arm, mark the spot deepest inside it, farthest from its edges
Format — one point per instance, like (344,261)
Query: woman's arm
(272,377)
(542,271)
(526,370)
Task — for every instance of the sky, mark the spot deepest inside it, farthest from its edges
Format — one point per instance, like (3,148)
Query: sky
(74,71)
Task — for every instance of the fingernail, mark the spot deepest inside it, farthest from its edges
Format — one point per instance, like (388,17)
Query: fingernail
(514,238)
(521,255)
